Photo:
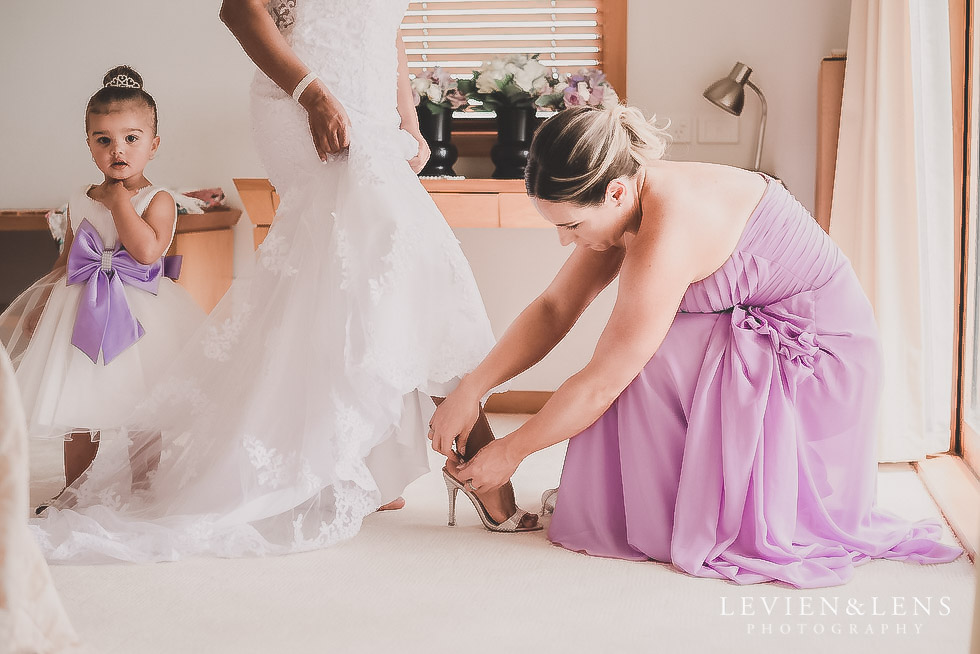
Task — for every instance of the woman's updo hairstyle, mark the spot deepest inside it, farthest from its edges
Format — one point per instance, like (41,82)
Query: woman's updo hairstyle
(121,84)
(575,154)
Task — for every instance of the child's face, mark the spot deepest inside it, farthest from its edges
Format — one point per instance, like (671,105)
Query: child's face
(122,140)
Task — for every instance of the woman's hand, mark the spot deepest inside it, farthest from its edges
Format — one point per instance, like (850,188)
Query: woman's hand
(329,123)
(419,160)
(492,467)
(452,422)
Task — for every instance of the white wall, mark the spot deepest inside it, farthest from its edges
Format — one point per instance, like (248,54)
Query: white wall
(676,49)
(54,54)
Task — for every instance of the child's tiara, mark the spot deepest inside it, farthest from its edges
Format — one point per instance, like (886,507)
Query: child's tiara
(124,82)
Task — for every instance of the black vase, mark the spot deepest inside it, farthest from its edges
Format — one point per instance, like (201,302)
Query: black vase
(438,130)
(515,127)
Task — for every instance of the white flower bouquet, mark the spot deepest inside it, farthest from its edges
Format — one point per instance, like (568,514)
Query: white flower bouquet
(517,81)
(437,91)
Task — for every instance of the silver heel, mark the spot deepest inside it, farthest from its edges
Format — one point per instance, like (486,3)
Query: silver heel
(548,499)
(510,525)
(451,488)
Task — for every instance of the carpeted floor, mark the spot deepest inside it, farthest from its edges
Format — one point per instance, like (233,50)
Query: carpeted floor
(408,583)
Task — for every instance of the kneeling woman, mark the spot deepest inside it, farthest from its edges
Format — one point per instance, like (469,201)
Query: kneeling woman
(725,423)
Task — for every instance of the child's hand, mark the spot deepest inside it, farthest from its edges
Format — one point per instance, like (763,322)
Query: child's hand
(32,318)
(115,194)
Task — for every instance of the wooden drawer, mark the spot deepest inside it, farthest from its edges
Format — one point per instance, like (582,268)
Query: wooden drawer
(468,209)
(481,203)
(516,211)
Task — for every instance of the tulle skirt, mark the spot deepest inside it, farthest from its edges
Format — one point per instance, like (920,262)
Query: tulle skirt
(63,390)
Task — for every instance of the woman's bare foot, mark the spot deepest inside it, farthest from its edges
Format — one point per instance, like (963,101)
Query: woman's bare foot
(500,504)
(394,505)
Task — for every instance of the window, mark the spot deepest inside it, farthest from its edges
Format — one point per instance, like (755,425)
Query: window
(459,35)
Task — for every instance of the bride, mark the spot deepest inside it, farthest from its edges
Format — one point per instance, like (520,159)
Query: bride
(302,404)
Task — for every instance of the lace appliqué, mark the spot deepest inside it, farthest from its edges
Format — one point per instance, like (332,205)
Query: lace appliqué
(218,341)
(282,11)
(311,481)
(344,253)
(185,393)
(268,461)
(351,504)
(274,256)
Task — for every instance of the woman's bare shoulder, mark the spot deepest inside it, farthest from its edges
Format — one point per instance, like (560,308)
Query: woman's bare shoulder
(699,208)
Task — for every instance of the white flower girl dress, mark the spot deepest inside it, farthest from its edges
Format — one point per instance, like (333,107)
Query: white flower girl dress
(99,345)
(302,403)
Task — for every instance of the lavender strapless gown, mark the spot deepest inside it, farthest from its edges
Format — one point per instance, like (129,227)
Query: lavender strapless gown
(745,448)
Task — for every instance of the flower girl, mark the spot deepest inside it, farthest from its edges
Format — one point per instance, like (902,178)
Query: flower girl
(89,338)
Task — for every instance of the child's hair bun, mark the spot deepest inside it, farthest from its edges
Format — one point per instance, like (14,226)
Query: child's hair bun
(123,77)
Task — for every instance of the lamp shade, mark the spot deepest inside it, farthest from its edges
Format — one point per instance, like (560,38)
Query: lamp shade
(728,93)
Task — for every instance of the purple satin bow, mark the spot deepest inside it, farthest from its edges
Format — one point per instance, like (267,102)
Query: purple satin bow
(104,321)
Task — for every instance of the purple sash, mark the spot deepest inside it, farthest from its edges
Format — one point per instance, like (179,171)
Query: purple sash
(104,321)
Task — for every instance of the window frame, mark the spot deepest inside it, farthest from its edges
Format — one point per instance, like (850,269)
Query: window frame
(961,47)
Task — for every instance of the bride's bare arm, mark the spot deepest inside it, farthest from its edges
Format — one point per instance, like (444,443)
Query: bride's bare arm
(532,335)
(406,109)
(406,100)
(255,29)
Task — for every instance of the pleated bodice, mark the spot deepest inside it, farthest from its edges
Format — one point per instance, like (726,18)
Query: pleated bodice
(781,253)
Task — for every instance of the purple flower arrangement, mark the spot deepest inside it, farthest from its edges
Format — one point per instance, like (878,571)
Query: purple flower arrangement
(521,81)
(587,87)
(438,91)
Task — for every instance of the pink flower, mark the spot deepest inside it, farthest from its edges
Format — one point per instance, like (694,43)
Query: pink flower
(573,98)
(456,99)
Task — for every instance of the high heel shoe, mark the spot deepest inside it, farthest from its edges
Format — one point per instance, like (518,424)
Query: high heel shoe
(510,525)
(548,499)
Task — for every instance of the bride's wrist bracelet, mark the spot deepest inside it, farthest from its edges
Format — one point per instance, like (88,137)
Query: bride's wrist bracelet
(303,83)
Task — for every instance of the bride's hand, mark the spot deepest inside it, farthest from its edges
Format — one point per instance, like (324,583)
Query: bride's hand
(329,123)
(419,160)
(452,422)
(492,467)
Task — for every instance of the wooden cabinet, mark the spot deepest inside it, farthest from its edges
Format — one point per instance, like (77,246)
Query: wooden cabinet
(206,242)
(485,203)
(481,203)
(260,200)
(27,252)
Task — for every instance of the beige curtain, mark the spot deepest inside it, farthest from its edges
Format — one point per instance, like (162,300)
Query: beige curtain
(892,211)
(32,619)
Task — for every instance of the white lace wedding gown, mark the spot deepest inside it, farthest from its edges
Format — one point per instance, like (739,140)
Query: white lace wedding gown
(302,403)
